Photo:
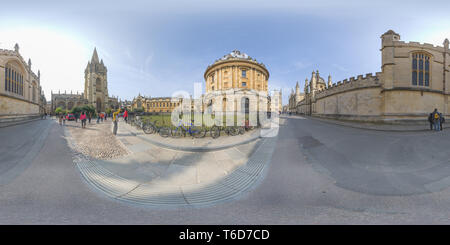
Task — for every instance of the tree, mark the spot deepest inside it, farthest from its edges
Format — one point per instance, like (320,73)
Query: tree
(58,110)
(77,110)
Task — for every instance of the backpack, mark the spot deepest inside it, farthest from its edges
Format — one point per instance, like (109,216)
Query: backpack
(436,115)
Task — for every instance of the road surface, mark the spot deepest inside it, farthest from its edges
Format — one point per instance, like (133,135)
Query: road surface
(319,174)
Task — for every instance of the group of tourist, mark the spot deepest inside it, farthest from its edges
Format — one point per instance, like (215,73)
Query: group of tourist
(436,119)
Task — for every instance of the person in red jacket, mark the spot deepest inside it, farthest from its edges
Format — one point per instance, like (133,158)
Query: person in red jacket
(125,115)
(83,119)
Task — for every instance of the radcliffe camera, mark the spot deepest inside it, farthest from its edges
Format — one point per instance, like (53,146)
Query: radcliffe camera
(221,113)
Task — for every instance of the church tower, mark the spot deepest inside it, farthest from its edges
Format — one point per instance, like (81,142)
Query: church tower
(96,83)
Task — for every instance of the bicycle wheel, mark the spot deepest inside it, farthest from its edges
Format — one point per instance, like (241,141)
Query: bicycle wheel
(176,132)
(233,131)
(148,129)
(215,132)
(198,132)
(241,130)
(164,132)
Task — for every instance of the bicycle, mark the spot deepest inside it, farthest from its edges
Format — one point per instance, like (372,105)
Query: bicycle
(161,130)
(194,131)
(214,132)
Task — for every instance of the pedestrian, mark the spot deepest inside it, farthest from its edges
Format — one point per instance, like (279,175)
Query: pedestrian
(83,119)
(441,121)
(430,120)
(60,119)
(436,120)
(90,116)
(115,121)
(64,119)
(98,117)
(125,116)
(102,115)
(106,115)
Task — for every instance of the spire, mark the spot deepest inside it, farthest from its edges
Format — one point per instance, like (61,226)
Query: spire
(94,58)
(446,43)
(16,48)
(329,81)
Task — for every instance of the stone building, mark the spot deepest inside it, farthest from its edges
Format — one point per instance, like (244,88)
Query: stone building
(414,79)
(95,89)
(21,95)
(294,99)
(154,104)
(239,77)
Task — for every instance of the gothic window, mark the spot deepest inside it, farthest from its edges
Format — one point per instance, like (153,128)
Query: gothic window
(13,80)
(420,69)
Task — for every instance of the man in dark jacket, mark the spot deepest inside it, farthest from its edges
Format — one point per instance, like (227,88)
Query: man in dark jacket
(430,120)
(442,120)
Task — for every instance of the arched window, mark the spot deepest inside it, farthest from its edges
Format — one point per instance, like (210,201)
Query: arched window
(420,69)
(13,80)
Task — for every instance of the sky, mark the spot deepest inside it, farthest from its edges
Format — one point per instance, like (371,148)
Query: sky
(155,48)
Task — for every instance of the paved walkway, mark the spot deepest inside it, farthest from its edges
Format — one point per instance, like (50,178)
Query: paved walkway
(371,126)
(153,175)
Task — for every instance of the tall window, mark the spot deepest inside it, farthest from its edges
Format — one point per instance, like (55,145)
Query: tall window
(13,80)
(244,73)
(420,69)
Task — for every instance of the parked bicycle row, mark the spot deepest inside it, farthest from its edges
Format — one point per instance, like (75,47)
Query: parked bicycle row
(182,130)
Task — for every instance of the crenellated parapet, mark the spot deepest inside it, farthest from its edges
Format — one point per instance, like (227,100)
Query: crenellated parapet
(418,45)
(359,82)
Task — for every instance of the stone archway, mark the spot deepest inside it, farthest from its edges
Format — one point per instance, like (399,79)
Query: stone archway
(70,105)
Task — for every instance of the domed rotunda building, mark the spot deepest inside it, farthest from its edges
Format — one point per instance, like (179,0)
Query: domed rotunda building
(237,82)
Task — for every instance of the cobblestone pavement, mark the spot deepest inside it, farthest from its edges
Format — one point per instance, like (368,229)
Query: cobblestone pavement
(96,140)
(153,175)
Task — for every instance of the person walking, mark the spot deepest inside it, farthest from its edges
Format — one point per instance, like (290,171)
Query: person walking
(430,120)
(125,116)
(64,119)
(436,120)
(102,115)
(90,116)
(441,121)
(115,121)
(83,119)
(60,119)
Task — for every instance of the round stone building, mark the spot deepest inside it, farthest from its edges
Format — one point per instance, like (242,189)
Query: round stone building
(237,83)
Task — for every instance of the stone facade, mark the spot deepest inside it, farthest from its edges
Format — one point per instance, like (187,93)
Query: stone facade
(414,79)
(155,104)
(238,76)
(21,95)
(95,90)
(294,99)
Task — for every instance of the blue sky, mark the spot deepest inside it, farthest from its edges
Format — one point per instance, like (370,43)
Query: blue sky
(156,48)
